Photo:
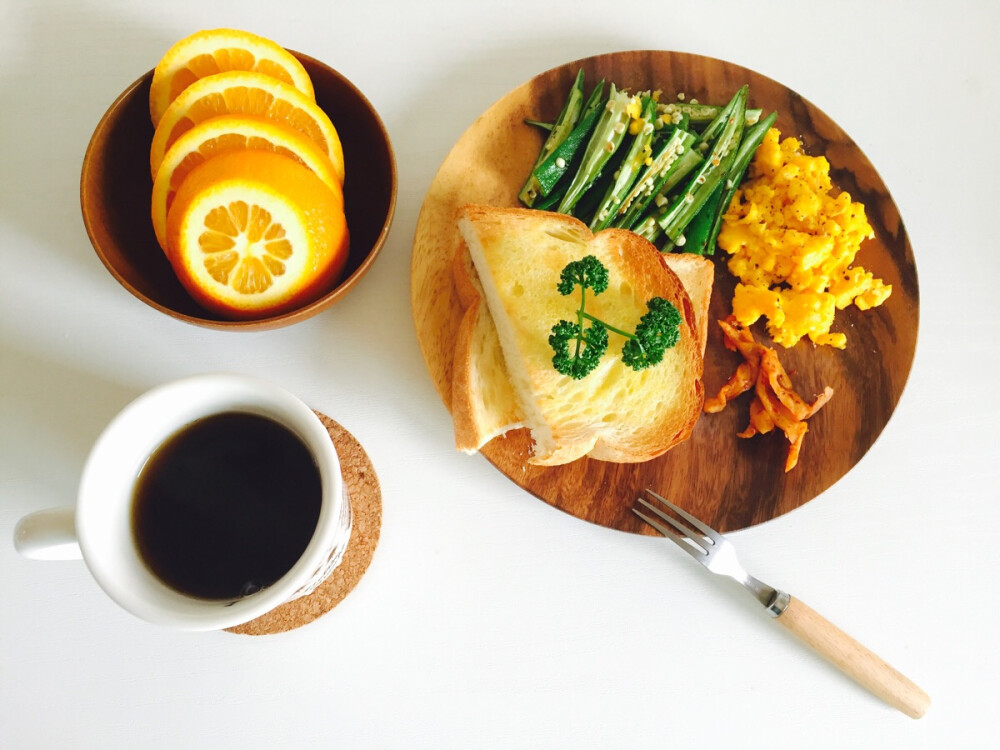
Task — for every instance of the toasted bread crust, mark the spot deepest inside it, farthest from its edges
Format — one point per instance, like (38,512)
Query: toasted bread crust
(642,273)
(641,261)
(477,422)
(470,434)
(697,274)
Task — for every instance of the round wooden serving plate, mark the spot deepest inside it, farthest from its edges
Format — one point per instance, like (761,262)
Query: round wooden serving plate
(729,482)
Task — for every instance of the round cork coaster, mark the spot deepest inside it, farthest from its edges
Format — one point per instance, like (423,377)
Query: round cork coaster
(366,504)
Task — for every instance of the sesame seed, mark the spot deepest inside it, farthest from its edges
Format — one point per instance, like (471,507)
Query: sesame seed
(680,96)
(560,162)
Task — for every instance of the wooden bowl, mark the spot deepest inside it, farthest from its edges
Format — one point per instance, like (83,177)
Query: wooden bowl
(116,188)
(729,482)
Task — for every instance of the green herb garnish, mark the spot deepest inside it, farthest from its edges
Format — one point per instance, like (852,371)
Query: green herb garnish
(579,345)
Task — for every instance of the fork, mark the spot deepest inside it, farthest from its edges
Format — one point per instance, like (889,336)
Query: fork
(717,553)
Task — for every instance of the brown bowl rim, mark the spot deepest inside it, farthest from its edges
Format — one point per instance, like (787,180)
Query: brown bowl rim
(259,324)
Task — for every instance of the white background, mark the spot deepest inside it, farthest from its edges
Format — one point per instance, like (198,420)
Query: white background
(488,619)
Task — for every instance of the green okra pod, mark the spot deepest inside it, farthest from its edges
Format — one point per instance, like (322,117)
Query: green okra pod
(566,120)
(604,141)
(715,168)
(649,229)
(634,160)
(672,162)
(556,164)
(697,232)
(700,115)
(563,126)
(748,147)
(550,201)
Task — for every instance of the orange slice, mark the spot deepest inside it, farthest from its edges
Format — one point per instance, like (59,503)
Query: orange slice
(212,51)
(254,233)
(241,92)
(224,134)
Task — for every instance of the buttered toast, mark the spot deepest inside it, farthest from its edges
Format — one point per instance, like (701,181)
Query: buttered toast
(483,402)
(503,372)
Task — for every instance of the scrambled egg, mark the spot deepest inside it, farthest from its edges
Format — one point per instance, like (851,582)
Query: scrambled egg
(792,246)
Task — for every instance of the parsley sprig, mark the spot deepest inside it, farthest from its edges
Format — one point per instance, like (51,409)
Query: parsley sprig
(579,345)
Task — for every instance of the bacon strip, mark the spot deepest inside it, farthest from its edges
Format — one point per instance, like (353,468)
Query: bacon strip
(775,404)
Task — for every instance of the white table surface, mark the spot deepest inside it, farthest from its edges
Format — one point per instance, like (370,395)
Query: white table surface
(487,618)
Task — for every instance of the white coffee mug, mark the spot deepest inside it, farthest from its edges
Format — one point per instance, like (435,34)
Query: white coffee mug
(100,528)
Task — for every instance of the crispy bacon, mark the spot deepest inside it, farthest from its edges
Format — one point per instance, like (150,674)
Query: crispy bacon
(775,403)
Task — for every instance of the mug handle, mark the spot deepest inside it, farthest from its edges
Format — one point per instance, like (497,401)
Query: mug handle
(48,535)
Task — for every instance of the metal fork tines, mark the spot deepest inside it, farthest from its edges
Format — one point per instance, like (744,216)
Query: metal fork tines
(710,548)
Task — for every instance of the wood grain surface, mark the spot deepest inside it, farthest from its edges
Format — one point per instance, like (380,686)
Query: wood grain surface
(863,666)
(729,482)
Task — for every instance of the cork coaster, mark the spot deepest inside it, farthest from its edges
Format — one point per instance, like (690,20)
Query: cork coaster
(366,503)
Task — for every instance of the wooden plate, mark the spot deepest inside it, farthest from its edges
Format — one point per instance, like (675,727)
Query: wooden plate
(729,482)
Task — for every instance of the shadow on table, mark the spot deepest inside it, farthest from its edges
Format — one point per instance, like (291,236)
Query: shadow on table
(56,84)
(52,415)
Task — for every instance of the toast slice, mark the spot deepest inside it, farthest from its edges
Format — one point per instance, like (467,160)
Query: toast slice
(503,374)
(483,402)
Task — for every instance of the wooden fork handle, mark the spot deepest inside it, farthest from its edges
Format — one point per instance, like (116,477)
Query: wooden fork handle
(854,660)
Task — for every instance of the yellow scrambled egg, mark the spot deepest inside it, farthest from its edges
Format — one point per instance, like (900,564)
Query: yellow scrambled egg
(792,245)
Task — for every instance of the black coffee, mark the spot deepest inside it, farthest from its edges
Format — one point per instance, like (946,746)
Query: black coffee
(226,506)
